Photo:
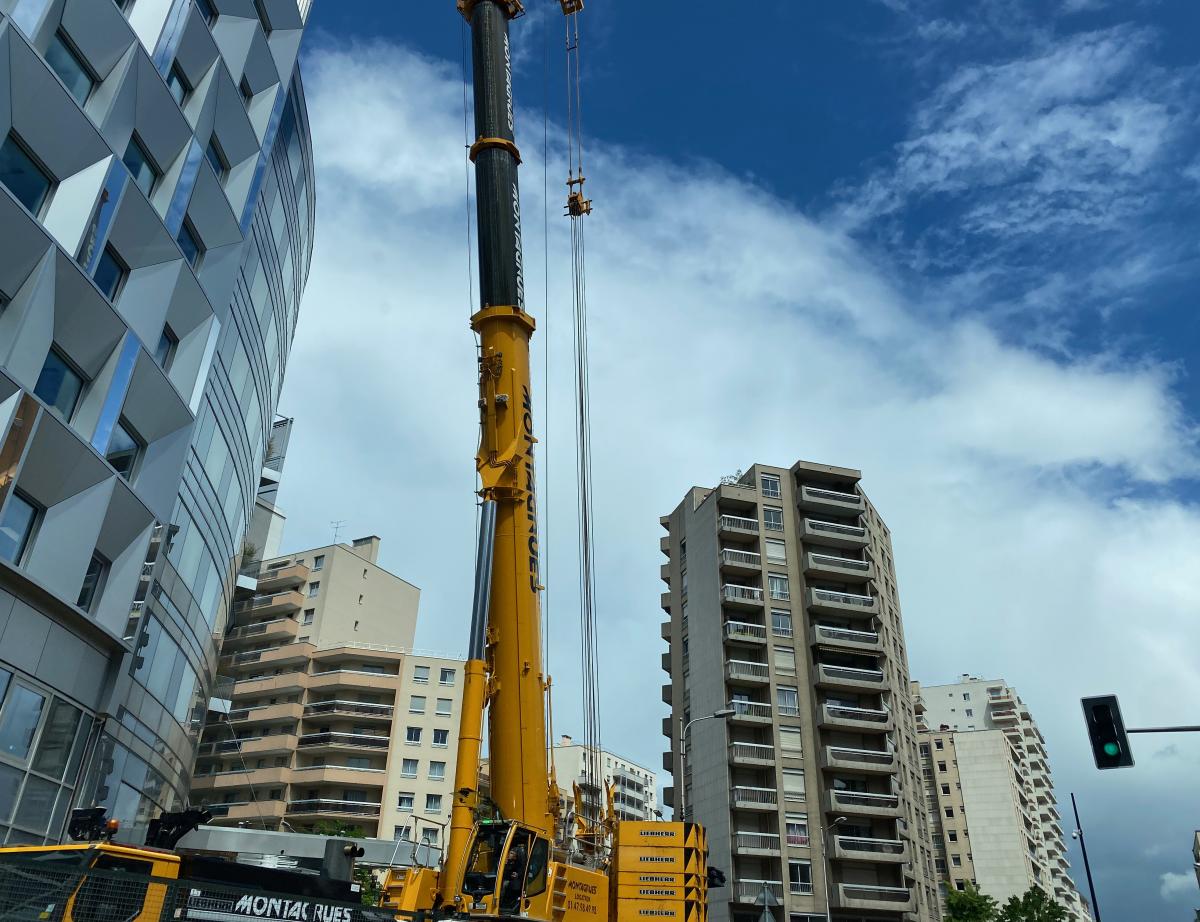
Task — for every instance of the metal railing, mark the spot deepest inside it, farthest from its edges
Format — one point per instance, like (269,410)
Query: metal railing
(745,629)
(738,523)
(852,674)
(837,495)
(750,709)
(745,558)
(341,768)
(353,807)
(263,601)
(762,841)
(868,756)
(836,528)
(845,634)
(800,887)
(865,799)
(843,598)
(344,739)
(756,751)
(846,563)
(251,630)
(875,893)
(348,707)
(744,669)
(844,712)
(874,846)
(735,593)
(749,795)
(745,890)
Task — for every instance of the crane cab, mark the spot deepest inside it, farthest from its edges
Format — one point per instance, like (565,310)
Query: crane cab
(507,871)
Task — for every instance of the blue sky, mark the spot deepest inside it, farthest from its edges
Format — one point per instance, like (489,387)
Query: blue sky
(952,245)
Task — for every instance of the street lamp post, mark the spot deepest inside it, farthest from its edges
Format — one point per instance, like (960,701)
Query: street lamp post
(825,830)
(722,714)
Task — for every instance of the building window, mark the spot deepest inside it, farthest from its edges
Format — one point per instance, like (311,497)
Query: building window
(941,766)
(949,813)
(781,623)
(164,352)
(216,158)
(189,243)
(93,582)
(446,677)
(27,181)
(124,449)
(437,771)
(939,744)
(966,696)
(19,723)
(956,861)
(787,700)
(358,762)
(412,736)
(17,527)
(110,273)
(791,740)
(925,750)
(797,830)
(779,587)
(441,739)
(318,562)
(433,803)
(970,713)
(793,784)
(785,660)
(402,833)
(952,835)
(776,551)
(429,836)
(65,61)
(416,704)
(309,614)
(313,589)
(141,168)
(770,486)
(421,675)
(946,789)
(207,11)
(177,85)
(800,877)
(247,92)
(405,802)
(59,385)
(443,707)
(772,518)
(262,16)
(408,768)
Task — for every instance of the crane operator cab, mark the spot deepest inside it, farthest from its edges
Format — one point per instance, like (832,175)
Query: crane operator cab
(507,869)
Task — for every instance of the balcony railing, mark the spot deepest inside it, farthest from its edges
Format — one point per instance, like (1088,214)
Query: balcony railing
(738,523)
(740,558)
(250,630)
(344,739)
(846,563)
(750,709)
(735,593)
(844,712)
(865,799)
(866,756)
(755,751)
(846,635)
(747,891)
(348,707)
(748,795)
(744,669)
(873,846)
(735,629)
(800,887)
(874,893)
(761,841)
(843,598)
(851,674)
(835,495)
(798,840)
(333,806)
(836,528)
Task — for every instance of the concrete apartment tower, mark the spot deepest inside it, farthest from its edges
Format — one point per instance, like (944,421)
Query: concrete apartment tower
(990,796)
(634,786)
(783,609)
(156,218)
(332,717)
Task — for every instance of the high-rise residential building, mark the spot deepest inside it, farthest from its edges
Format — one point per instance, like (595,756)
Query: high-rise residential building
(332,716)
(156,218)
(635,795)
(989,793)
(783,609)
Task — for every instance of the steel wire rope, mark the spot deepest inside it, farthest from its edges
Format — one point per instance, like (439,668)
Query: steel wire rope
(544,492)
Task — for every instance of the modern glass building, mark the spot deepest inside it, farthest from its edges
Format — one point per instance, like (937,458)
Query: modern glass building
(156,219)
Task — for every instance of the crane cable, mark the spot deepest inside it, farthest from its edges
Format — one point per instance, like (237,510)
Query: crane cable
(589,655)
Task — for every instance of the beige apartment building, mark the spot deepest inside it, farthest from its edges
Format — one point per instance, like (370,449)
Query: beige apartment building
(990,795)
(332,717)
(784,610)
(635,795)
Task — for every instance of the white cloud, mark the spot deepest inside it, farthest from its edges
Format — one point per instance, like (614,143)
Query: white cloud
(1177,886)
(1038,535)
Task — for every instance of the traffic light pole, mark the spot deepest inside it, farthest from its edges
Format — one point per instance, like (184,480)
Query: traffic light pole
(1086,866)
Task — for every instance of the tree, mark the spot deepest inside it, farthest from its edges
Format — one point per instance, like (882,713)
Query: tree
(969,906)
(364,877)
(1033,906)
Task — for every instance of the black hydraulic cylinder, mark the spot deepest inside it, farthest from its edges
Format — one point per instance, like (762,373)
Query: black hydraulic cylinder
(501,277)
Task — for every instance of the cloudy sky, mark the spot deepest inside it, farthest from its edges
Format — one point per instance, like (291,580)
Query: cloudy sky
(955,250)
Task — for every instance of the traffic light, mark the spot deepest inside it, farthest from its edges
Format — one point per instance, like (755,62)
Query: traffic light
(1106,730)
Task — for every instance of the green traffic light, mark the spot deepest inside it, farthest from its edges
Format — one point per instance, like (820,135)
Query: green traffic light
(1112,749)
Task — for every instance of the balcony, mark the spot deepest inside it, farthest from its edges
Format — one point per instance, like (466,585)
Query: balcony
(747,891)
(266,714)
(761,844)
(317,808)
(841,569)
(844,758)
(277,629)
(869,897)
(240,778)
(846,604)
(352,678)
(277,603)
(254,814)
(282,578)
(862,803)
(294,681)
(750,798)
(735,561)
(288,654)
(737,596)
(745,632)
(841,638)
(750,712)
(275,744)
(833,534)
(737,528)
(863,720)
(829,676)
(862,848)
(751,754)
(340,775)
(738,670)
(334,742)
(361,711)
(830,502)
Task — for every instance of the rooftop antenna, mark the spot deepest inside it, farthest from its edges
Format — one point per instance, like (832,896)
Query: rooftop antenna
(337,529)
